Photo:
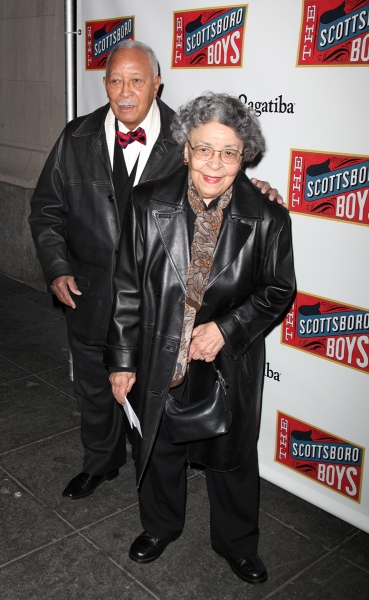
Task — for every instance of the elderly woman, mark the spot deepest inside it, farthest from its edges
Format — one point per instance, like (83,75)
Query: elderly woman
(204,268)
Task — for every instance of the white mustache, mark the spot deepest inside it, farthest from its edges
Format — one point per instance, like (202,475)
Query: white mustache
(123,103)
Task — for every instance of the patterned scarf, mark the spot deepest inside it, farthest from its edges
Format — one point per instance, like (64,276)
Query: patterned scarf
(206,232)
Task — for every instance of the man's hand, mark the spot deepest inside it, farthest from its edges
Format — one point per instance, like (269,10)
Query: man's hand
(61,287)
(122,384)
(206,342)
(265,188)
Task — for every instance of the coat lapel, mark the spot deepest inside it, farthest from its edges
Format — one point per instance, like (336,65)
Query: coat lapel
(232,239)
(170,214)
(100,147)
(93,127)
(157,157)
(163,148)
(245,209)
(173,230)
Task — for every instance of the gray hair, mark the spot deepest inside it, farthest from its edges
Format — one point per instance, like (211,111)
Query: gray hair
(135,45)
(226,110)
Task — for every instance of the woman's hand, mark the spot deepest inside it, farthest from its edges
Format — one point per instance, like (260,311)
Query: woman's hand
(122,384)
(206,342)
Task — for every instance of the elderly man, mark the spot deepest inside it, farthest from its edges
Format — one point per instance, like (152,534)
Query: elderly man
(77,212)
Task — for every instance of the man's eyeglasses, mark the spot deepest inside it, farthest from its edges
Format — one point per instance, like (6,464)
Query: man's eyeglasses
(228,155)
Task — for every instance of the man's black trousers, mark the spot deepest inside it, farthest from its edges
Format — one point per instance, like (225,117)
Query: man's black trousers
(102,430)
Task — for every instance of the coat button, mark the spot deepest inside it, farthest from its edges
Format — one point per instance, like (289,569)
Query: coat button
(111,198)
(116,250)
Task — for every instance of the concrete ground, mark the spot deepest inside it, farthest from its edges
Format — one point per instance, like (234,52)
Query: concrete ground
(55,548)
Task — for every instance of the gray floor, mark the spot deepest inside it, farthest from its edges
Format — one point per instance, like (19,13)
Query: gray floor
(54,548)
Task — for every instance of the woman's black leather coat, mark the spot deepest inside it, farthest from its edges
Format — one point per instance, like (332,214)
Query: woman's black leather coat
(251,283)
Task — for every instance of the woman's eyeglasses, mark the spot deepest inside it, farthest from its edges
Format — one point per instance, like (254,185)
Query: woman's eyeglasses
(228,155)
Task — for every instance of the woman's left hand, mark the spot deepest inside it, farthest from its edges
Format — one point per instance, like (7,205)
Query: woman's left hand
(206,342)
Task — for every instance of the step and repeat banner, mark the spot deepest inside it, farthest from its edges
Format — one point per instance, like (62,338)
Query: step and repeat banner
(302,66)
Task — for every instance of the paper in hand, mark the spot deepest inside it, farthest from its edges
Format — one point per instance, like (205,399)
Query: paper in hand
(132,417)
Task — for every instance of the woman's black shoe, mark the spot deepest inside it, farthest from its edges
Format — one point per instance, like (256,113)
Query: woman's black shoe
(250,569)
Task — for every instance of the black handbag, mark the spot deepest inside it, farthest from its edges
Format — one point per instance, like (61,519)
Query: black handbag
(201,420)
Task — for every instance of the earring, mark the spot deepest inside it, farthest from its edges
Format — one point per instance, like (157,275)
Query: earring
(185,161)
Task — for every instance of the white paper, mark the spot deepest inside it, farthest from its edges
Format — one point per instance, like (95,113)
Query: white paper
(132,417)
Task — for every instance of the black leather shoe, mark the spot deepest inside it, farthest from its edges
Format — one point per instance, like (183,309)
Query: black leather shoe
(146,548)
(250,569)
(84,484)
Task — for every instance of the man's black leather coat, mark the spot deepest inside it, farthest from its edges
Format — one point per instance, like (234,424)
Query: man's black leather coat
(74,216)
(251,283)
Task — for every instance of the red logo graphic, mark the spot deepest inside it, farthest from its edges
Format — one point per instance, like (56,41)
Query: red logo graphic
(319,455)
(328,329)
(102,36)
(208,37)
(331,186)
(334,33)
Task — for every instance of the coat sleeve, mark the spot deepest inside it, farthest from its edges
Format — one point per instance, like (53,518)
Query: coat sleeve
(48,218)
(272,294)
(125,315)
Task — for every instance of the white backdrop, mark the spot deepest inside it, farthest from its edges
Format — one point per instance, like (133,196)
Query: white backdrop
(327,113)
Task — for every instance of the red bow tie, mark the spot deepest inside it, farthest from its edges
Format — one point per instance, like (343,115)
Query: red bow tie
(138,135)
